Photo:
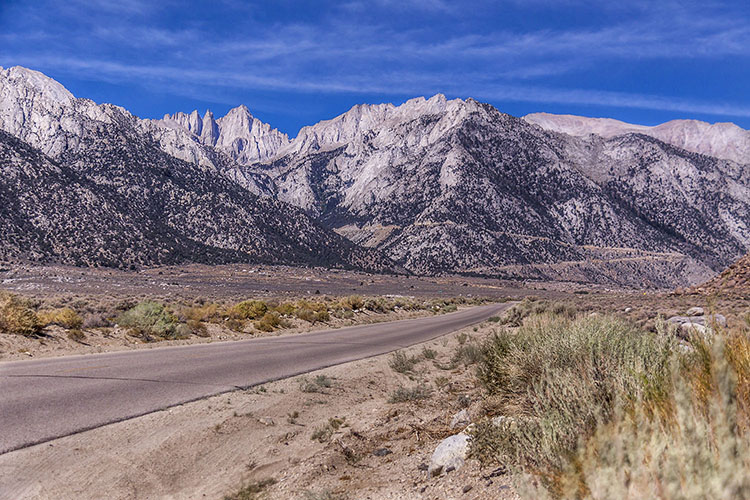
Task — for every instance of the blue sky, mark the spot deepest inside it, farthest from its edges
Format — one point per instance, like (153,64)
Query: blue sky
(295,63)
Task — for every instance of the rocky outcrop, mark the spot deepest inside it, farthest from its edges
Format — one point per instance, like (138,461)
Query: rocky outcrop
(734,280)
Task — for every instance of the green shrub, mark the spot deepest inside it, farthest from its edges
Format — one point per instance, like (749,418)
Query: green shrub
(404,394)
(402,363)
(16,316)
(149,319)
(64,317)
(317,385)
(428,353)
(285,308)
(248,309)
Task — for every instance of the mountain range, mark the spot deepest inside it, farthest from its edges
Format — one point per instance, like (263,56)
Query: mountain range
(431,186)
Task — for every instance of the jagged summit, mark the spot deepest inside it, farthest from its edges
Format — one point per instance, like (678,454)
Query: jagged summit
(363,118)
(238,134)
(722,140)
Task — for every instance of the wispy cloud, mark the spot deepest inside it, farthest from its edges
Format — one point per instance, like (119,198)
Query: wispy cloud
(346,51)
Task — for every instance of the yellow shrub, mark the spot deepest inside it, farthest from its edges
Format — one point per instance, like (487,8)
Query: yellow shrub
(17,317)
(64,317)
(249,309)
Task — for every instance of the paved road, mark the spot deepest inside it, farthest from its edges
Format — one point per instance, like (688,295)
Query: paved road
(49,398)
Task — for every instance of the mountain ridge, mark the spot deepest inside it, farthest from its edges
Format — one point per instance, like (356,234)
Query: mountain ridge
(723,140)
(438,185)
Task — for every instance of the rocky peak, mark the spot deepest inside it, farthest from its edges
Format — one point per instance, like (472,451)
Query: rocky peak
(40,111)
(238,134)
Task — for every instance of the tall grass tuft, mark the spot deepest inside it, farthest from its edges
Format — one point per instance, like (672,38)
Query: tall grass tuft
(596,408)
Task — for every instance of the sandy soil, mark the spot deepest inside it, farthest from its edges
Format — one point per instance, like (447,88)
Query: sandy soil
(214,447)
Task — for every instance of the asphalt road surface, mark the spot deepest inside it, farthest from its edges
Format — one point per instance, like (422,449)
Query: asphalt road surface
(45,399)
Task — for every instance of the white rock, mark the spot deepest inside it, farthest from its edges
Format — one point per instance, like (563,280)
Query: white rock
(460,419)
(694,311)
(451,452)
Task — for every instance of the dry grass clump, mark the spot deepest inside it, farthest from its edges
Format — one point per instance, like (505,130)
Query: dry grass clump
(252,490)
(406,394)
(598,408)
(323,434)
(400,362)
(468,354)
(318,384)
(64,317)
(208,312)
(17,316)
(269,322)
(533,306)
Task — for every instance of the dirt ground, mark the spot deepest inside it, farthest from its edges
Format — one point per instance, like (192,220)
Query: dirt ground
(217,446)
(236,281)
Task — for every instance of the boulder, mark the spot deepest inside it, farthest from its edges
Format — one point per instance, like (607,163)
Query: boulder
(687,330)
(460,419)
(451,453)
(694,311)
(705,320)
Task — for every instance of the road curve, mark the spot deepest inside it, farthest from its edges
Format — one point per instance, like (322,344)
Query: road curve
(49,398)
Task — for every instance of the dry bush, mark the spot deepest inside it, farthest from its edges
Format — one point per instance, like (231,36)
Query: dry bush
(252,490)
(17,316)
(197,328)
(248,309)
(206,312)
(468,354)
(269,322)
(76,335)
(532,306)
(96,320)
(64,317)
(324,433)
(352,303)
